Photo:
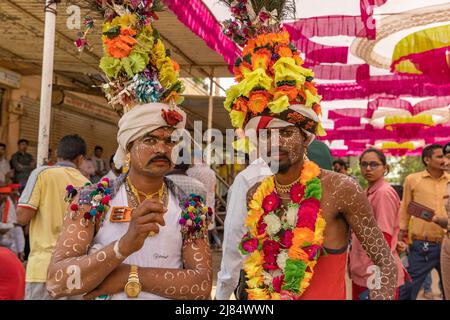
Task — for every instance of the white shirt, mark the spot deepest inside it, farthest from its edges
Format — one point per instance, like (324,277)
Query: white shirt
(228,276)
(4,169)
(13,239)
(161,251)
(110,175)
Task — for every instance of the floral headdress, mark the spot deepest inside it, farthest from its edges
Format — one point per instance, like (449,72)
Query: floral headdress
(135,62)
(272,84)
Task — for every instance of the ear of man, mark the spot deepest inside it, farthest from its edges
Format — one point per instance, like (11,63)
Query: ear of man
(78,160)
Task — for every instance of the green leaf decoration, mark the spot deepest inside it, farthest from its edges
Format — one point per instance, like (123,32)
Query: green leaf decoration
(293,275)
(313,189)
(248,58)
(110,66)
(112,32)
(286,82)
(155,34)
(126,64)
(137,62)
(237,62)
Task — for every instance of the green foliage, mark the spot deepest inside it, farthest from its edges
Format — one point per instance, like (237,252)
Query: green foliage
(357,173)
(406,166)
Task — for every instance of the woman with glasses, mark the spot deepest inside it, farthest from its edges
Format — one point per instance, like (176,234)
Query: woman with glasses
(385,204)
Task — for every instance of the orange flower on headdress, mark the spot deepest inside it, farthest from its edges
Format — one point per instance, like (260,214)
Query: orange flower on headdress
(176,66)
(283,51)
(298,60)
(310,87)
(258,101)
(290,91)
(240,104)
(302,95)
(317,109)
(281,37)
(241,70)
(121,46)
(261,59)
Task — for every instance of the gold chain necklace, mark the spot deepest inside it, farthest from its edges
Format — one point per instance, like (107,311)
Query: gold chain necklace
(162,192)
(285,188)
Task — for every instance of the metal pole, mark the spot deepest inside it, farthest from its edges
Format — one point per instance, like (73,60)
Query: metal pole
(47,81)
(210,113)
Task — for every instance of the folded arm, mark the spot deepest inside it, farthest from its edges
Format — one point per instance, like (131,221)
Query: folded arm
(72,271)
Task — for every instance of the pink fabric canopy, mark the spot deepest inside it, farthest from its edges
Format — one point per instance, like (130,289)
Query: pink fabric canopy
(331,63)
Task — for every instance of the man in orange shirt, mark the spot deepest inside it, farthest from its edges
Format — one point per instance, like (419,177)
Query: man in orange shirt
(428,188)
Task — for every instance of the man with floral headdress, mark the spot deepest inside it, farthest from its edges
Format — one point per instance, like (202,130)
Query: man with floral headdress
(137,236)
(294,237)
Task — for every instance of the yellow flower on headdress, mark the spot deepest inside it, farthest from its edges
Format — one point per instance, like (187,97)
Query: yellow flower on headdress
(287,70)
(320,130)
(261,59)
(167,74)
(257,78)
(237,118)
(158,51)
(125,21)
(243,145)
(232,93)
(279,105)
(311,99)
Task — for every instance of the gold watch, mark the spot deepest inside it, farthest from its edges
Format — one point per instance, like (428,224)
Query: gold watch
(133,286)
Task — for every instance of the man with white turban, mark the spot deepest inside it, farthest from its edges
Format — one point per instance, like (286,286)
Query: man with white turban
(142,246)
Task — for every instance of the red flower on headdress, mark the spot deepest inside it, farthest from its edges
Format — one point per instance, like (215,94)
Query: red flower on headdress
(172,117)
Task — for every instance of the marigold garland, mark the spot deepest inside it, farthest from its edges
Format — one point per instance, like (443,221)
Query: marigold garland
(281,265)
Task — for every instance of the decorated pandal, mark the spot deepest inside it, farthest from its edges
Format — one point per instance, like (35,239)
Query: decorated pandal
(390,58)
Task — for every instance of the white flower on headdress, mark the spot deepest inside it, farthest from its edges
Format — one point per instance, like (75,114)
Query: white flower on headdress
(273,224)
(281,259)
(291,214)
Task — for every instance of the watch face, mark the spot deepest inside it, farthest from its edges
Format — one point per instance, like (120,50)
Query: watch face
(133,289)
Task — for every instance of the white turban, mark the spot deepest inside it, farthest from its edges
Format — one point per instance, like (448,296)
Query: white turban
(137,122)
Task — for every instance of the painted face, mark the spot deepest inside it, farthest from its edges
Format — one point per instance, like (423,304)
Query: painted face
(371,167)
(291,147)
(437,161)
(151,154)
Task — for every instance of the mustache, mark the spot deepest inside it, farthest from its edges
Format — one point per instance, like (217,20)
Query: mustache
(159,157)
(280,150)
